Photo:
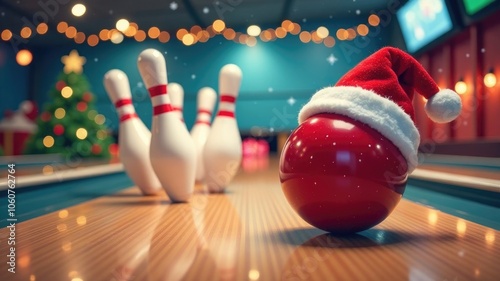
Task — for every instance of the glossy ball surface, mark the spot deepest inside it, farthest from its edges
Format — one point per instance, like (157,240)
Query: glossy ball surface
(341,175)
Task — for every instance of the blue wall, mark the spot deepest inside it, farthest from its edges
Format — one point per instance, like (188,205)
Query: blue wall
(273,72)
(14,80)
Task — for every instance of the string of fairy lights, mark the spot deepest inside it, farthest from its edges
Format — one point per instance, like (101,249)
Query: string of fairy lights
(196,34)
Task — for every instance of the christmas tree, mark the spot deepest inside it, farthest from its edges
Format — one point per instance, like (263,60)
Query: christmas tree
(69,123)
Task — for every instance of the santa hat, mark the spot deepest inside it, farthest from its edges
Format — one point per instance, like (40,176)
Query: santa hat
(379,91)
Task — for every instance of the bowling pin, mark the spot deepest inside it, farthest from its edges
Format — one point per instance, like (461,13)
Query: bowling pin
(134,137)
(172,151)
(222,151)
(176,93)
(201,129)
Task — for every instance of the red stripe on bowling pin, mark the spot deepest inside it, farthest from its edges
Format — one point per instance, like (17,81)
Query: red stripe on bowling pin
(204,111)
(228,99)
(226,113)
(122,102)
(125,116)
(158,91)
(202,122)
(162,108)
(128,116)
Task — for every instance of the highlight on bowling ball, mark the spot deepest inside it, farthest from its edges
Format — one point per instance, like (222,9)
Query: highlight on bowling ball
(344,169)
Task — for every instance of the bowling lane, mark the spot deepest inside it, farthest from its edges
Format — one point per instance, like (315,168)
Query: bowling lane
(248,233)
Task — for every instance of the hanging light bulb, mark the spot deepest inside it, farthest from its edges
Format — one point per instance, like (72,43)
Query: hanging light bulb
(490,80)
(461,87)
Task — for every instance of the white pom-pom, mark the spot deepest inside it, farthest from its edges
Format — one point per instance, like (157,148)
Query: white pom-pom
(26,106)
(444,106)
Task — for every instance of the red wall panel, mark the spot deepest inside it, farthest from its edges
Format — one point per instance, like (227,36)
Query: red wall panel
(421,120)
(440,70)
(464,126)
(468,56)
(491,59)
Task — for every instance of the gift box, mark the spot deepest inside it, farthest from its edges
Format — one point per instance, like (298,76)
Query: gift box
(15,130)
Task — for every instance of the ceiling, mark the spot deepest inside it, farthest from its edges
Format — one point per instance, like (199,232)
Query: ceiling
(171,15)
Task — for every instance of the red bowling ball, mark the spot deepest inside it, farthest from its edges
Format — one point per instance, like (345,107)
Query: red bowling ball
(341,175)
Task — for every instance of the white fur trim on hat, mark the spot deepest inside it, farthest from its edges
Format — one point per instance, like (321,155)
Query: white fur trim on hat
(444,106)
(366,106)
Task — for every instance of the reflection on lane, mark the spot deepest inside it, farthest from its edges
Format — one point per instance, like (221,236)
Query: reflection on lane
(196,240)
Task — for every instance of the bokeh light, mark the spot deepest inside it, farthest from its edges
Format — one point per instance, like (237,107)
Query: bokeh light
(188,39)
(329,42)
(122,25)
(99,119)
(253,30)
(461,87)
(101,134)
(164,37)
(47,170)
(251,41)
(140,36)
(67,92)
(490,80)
(60,113)
(116,37)
(103,35)
(81,133)
(218,25)
(78,10)
(362,29)
(322,32)
(229,34)
(63,214)
(6,35)
(342,34)
(180,33)
(92,114)
(373,20)
(93,40)
(24,57)
(288,25)
(280,32)
(296,29)
(80,37)
(154,32)
(62,26)
(25,32)
(70,32)
(81,106)
(42,28)
(48,141)
(305,37)
(81,220)
(351,34)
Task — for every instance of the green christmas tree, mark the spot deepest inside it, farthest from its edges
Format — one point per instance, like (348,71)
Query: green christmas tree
(69,123)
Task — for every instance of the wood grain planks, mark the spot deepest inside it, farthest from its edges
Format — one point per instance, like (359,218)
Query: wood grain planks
(248,233)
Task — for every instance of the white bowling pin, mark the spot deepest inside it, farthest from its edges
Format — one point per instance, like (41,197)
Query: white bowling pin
(201,128)
(176,93)
(222,151)
(133,137)
(172,151)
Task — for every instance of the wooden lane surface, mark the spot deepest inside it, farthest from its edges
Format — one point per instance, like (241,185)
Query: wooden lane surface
(248,233)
